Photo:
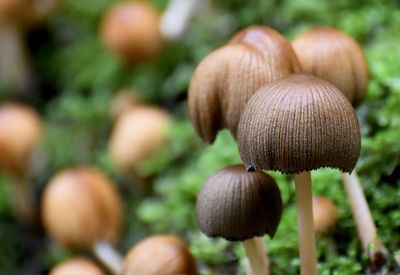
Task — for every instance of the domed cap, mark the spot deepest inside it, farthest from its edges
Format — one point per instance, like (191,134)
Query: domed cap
(325,214)
(77,266)
(131,30)
(20,132)
(299,123)
(81,206)
(159,255)
(336,57)
(226,79)
(239,205)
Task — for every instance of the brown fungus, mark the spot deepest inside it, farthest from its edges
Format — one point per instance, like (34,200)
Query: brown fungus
(326,215)
(226,79)
(336,57)
(77,266)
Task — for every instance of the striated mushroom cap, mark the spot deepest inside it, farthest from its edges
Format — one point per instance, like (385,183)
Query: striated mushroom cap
(131,30)
(81,206)
(77,266)
(299,123)
(239,205)
(20,132)
(226,79)
(159,255)
(325,214)
(336,57)
(139,133)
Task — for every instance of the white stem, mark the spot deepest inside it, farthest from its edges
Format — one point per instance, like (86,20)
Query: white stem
(14,66)
(256,253)
(307,247)
(108,256)
(176,17)
(365,225)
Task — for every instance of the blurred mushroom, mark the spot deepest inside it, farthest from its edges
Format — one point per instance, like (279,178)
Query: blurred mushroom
(294,125)
(20,132)
(16,16)
(81,209)
(77,266)
(226,79)
(159,255)
(130,29)
(123,101)
(241,206)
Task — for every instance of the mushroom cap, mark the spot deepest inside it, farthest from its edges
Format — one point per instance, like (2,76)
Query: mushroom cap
(159,255)
(336,57)
(138,134)
(131,30)
(299,123)
(77,266)
(239,205)
(20,132)
(226,79)
(325,214)
(81,206)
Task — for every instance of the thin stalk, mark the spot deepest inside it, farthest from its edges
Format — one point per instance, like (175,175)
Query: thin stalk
(22,201)
(255,251)
(362,215)
(308,255)
(108,256)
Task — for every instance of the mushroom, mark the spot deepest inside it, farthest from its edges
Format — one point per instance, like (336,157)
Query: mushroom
(77,266)
(337,58)
(138,135)
(294,125)
(226,79)
(241,206)
(130,29)
(16,16)
(159,255)
(81,209)
(20,132)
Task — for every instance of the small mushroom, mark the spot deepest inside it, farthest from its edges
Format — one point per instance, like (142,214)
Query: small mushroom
(159,255)
(81,209)
(294,125)
(241,206)
(77,266)
(20,133)
(131,30)
(335,57)
(226,79)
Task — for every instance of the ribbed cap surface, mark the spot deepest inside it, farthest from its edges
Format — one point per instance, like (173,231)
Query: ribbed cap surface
(239,205)
(299,123)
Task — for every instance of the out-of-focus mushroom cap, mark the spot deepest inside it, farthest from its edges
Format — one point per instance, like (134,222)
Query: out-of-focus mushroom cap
(226,79)
(299,123)
(77,266)
(237,205)
(335,57)
(325,214)
(159,255)
(81,206)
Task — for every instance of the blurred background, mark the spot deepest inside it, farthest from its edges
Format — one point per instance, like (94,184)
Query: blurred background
(73,83)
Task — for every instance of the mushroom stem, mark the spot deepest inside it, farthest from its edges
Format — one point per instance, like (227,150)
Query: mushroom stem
(14,66)
(255,250)
(22,201)
(365,224)
(111,259)
(305,221)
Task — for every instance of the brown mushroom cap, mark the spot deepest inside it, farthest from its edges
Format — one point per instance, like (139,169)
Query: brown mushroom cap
(325,214)
(20,132)
(77,266)
(81,206)
(299,123)
(336,57)
(239,205)
(159,255)
(138,134)
(226,79)
(131,30)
